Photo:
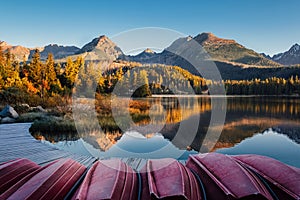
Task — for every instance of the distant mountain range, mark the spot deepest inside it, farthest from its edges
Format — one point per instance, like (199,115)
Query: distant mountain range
(290,57)
(233,59)
(223,50)
(22,53)
(19,52)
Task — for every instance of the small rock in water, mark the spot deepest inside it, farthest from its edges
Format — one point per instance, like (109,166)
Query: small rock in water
(37,109)
(25,105)
(7,120)
(10,112)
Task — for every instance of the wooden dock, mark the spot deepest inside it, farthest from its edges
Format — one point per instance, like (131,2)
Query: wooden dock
(17,142)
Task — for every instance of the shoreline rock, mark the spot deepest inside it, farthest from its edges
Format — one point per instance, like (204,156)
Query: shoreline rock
(37,109)
(10,112)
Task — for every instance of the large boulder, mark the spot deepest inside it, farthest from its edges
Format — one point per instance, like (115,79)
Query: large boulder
(9,111)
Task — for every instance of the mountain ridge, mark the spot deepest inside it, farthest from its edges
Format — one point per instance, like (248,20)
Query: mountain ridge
(234,61)
(219,49)
(289,57)
(100,48)
(21,52)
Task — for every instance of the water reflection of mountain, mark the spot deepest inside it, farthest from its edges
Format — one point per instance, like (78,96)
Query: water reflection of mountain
(245,116)
(268,143)
(234,131)
(237,131)
(293,132)
(99,140)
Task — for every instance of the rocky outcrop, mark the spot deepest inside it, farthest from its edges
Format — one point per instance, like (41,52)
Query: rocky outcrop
(9,111)
(101,48)
(8,115)
(37,109)
(20,53)
(290,57)
(7,120)
(57,51)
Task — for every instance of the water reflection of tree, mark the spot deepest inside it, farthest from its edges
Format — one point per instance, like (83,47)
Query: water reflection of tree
(54,138)
(245,117)
(98,140)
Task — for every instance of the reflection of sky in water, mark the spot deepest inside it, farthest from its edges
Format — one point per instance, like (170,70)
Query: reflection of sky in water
(77,146)
(136,143)
(270,144)
(131,144)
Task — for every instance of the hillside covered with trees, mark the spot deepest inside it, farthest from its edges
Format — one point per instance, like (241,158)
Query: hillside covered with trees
(44,82)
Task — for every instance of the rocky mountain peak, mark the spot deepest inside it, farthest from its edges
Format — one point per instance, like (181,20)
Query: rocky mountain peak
(290,57)
(52,45)
(295,48)
(101,40)
(3,43)
(101,47)
(150,51)
(210,38)
(97,43)
(58,51)
(266,56)
(18,51)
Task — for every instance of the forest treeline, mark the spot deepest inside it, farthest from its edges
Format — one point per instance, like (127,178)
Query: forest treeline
(37,81)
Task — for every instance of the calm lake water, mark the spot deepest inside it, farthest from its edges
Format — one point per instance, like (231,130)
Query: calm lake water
(177,127)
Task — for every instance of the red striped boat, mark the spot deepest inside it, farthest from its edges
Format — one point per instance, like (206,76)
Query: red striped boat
(224,178)
(52,181)
(283,179)
(169,179)
(205,176)
(109,179)
(13,171)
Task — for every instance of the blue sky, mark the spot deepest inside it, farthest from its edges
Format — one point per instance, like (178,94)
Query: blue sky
(269,26)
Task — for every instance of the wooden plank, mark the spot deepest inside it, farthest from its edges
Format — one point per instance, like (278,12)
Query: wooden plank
(16,142)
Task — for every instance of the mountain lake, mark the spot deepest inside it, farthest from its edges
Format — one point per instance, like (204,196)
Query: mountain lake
(263,125)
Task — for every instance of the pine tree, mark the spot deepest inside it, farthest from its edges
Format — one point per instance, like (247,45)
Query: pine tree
(50,75)
(143,84)
(70,73)
(8,59)
(134,79)
(2,60)
(1,81)
(35,70)
(101,84)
